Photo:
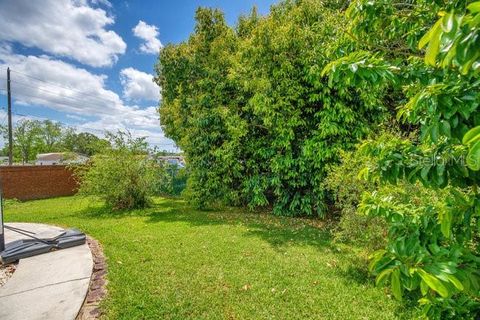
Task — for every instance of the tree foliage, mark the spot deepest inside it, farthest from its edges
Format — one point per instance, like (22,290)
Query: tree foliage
(31,137)
(26,139)
(258,123)
(51,135)
(433,62)
(83,142)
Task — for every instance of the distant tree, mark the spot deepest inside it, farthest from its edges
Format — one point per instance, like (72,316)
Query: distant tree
(31,137)
(84,142)
(51,133)
(124,140)
(69,139)
(27,139)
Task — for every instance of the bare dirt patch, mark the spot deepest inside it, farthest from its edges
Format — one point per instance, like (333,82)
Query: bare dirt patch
(6,271)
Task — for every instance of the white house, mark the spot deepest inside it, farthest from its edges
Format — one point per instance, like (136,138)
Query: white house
(45,159)
(179,161)
(3,160)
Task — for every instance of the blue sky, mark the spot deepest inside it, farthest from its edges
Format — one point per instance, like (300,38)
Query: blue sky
(89,63)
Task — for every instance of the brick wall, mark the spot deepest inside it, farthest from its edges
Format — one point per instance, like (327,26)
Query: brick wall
(36,182)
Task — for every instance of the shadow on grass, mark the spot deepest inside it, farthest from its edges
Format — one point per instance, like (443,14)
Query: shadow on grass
(357,272)
(277,231)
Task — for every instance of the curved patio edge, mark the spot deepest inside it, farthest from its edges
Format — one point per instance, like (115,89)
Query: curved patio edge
(49,286)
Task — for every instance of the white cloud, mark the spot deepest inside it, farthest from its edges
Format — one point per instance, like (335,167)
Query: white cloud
(150,34)
(75,117)
(66,28)
(138,85)
(75,92)
(105,3)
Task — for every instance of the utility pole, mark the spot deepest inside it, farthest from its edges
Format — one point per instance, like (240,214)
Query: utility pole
(10,129)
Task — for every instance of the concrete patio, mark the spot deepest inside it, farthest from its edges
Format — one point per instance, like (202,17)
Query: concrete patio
(49,286)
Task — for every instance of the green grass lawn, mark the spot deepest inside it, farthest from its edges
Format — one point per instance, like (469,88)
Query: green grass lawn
(173,262)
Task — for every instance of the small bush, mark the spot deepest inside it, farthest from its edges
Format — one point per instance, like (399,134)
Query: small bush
(123,180)
(124,176)
(347,188)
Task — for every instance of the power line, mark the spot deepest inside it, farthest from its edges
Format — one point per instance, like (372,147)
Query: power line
(19,114)
(82,100)
(77,107)
(58,94)
(59,86)
(37,97)
(98,99)
(4,121)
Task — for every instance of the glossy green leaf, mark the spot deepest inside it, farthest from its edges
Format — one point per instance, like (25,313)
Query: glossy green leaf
(434,131)
(471,136)
(446,223)
(423,287)
(396,285)
(445,128)
(434,44)
(474,7)
(382,276)
(454,280)
(447,22)
(424,172)
(434,283)
(425,39)
(473,157)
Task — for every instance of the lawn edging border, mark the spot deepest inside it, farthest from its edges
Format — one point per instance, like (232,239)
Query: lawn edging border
(97,290)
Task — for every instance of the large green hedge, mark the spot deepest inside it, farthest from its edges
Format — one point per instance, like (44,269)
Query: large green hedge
(258,123)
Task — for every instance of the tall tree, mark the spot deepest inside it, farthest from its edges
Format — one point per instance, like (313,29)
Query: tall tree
(197,94)
(258,123)
(124,140)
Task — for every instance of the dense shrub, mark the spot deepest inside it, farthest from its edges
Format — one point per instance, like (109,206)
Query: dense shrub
(432,248)
(262,111)
(124,181)
(258,123)
(349,188)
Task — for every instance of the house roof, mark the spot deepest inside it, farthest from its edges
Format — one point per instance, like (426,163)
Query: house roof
(57,156)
